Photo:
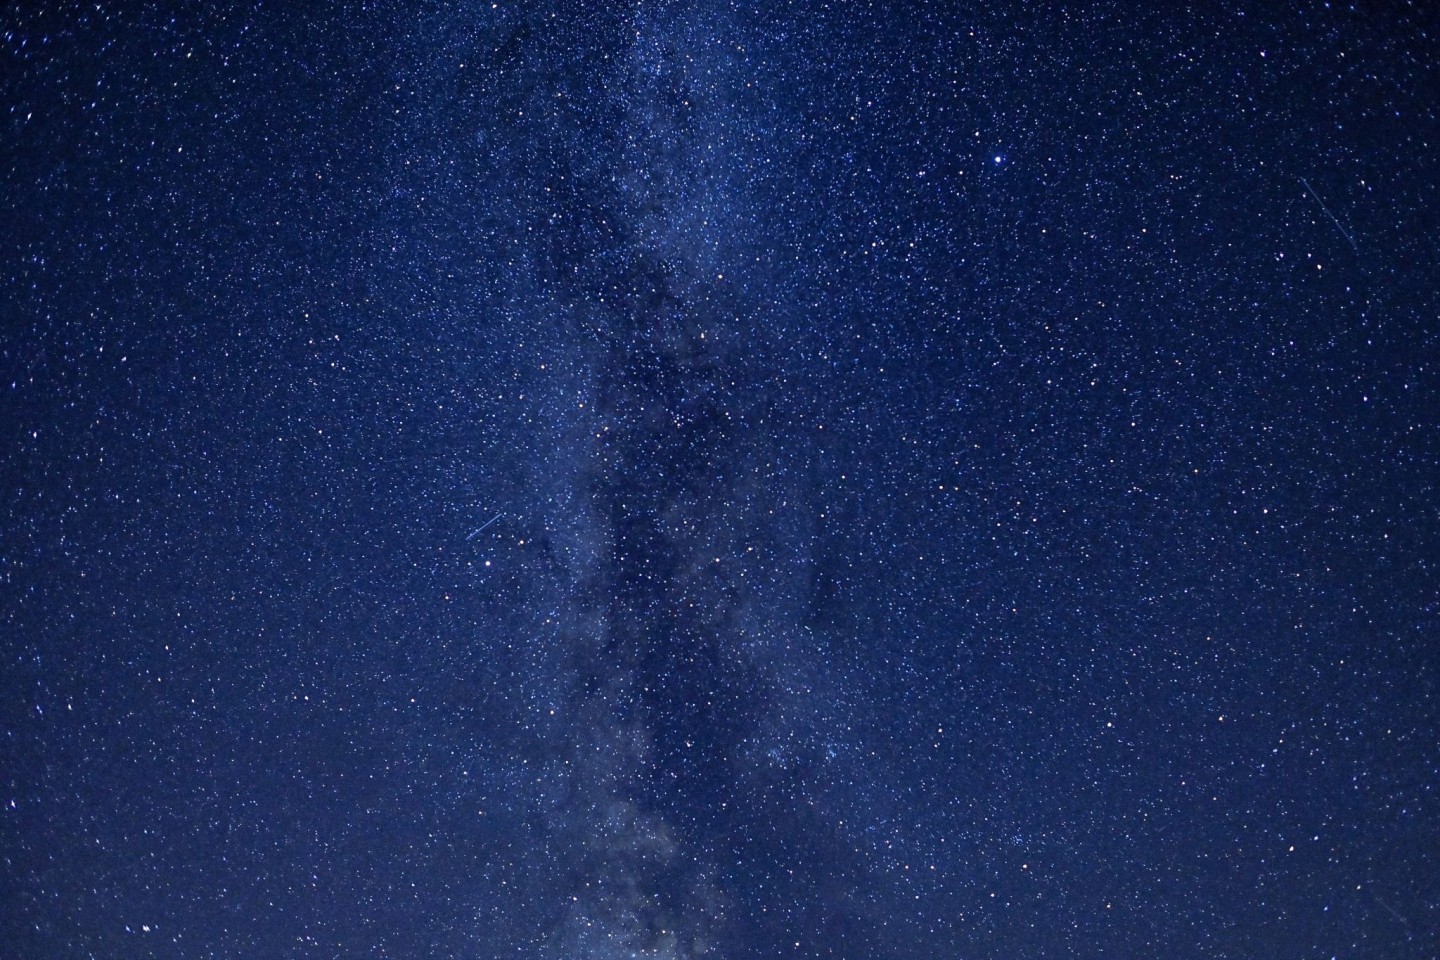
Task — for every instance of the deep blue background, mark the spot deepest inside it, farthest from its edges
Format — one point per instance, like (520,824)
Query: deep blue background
(963,481)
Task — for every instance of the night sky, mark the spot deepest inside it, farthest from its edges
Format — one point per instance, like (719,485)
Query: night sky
(731,480)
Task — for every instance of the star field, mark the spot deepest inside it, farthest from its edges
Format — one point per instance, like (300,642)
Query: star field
(703,479)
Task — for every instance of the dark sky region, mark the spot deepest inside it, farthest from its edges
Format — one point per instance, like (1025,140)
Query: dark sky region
(692,479)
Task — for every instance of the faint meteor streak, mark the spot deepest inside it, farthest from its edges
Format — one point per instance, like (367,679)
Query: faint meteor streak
(481,529)
(1343,232)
